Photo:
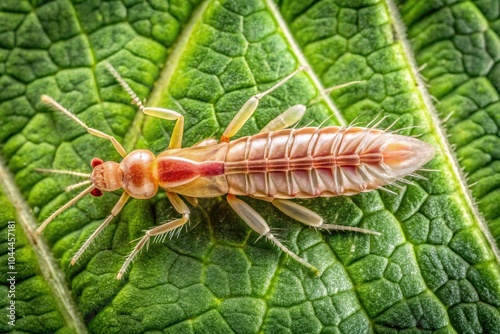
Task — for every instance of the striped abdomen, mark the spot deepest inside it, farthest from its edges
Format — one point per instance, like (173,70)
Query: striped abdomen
(311,162)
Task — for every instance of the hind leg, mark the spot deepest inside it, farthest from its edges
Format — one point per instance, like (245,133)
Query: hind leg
(311,218)
(259,225)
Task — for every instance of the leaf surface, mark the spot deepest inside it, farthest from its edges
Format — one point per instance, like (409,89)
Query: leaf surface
(435,266)
(460,49)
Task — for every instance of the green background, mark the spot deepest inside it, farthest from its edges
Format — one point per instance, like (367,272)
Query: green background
(431,64)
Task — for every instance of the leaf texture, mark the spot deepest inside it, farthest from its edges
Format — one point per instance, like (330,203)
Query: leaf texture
(435,267)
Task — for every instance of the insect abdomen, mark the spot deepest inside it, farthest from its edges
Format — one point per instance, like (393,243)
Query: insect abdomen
(311,162)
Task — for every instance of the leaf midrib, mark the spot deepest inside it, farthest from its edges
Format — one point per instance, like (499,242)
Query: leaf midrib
(28,223)
(437,130)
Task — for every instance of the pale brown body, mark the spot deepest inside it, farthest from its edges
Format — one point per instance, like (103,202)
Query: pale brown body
(303,163)
(311,162)
(275,165)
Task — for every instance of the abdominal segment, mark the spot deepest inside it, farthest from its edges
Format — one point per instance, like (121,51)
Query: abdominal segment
(311,162)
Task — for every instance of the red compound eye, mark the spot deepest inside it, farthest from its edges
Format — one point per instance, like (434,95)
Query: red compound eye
(95,162)
(96,192)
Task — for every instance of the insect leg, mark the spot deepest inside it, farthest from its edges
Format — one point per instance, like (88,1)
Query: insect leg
(191,200)
(311,218)
(259,225)
(206,142)
(171,115)
(51,102)
(250,106)
(291,116)
(328,90)
(117,208)
(347,84)
(180,207)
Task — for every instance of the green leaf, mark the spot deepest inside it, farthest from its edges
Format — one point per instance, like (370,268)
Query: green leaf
(460,47)
(435,266)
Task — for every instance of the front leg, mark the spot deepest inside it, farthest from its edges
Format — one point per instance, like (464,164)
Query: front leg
(157,231)
(53,103)
(171,115)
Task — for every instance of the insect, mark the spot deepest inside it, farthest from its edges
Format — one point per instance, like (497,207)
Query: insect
(275,165)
